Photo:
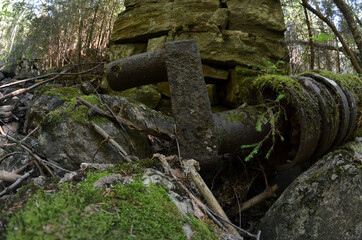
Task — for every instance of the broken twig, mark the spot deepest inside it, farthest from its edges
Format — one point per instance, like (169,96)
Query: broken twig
(16,183)
(206,193)
(123,121)
(268,193)
(105,135)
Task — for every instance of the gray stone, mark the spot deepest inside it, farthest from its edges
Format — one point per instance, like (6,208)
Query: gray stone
(67,142)
(322,203)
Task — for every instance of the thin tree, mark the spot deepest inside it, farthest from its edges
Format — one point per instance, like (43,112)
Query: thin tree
(352,24)
(311,45)
(339,36)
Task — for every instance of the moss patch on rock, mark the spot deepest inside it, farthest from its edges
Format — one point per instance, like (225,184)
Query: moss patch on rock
(78,113)
(78,211)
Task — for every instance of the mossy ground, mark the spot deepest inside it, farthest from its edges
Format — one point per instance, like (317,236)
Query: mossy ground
(78,211)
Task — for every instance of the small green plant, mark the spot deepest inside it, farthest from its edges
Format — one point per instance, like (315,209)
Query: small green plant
(271,68)
(271,115)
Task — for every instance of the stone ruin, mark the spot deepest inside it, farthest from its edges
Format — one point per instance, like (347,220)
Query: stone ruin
(235,37)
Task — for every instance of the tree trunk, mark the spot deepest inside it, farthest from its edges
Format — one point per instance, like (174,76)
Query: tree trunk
(335,31)
(311,63)
(348,15)
(90,35)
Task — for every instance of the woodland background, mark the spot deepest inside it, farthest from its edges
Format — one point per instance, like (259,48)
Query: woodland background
(54,33)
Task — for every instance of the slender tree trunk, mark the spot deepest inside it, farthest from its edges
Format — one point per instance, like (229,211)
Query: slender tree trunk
(335,31)
(311,62)
(80,30)
(348,15)
(90,35)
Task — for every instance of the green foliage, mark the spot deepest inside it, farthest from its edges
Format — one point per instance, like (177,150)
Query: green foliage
(273,68)
(272,113)
(79,211)
(322,37)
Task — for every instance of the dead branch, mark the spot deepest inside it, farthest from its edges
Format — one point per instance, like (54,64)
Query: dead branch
(268,193)
(16,183)
(48,75)
(9,176)
(122,121)
(24,90)
(206,193)
(31,153)
(9,155)
(105,135)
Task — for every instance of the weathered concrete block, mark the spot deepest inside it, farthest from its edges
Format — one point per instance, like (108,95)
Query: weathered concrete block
(157,18)
(117,51)
(232,48)
(214,73)
(257,17)
(156,43)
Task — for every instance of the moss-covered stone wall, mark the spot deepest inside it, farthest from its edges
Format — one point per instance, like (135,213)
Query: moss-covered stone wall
(229,33)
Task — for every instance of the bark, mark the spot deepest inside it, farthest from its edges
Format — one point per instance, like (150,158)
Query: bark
(348,15)
(311,63)
(339,36)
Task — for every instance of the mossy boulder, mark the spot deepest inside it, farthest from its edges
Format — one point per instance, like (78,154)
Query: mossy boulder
(125,210)
(65,134)
(323,202)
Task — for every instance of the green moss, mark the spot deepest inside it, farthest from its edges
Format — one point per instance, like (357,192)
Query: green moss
(202,230)
(316,176)
(79,211)
(77,113)
(65,93)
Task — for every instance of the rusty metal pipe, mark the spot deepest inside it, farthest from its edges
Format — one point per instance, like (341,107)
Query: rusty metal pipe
(138,70)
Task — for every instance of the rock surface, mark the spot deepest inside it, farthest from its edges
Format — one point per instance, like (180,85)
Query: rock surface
(68,140)
(323,203)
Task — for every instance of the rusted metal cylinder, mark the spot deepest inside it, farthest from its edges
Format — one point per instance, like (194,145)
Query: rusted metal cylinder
(238,127)
(138,70)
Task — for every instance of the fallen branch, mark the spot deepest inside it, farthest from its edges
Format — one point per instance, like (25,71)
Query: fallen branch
(48,75)
(105,135)
(206,193)
(8,176)
(96,110)
(31,153)
(9,155)
(268,193)
(16,183)
(24,90)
